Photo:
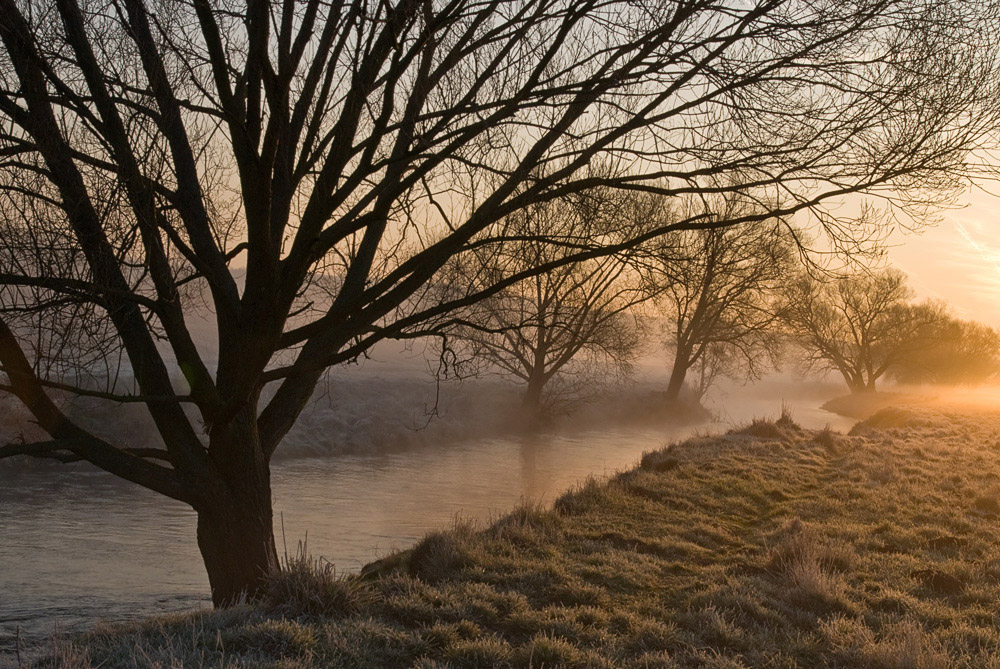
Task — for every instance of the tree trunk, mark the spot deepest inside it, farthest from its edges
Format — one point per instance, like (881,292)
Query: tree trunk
(859,386)
(531,403)
(235,528)
(237,545)
(855,382)
(677,375)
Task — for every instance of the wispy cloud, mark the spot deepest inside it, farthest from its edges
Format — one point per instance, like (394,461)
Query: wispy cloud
(986,254)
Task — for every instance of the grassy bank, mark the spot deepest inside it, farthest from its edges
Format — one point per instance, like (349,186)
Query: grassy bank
(770,546)
(866,404)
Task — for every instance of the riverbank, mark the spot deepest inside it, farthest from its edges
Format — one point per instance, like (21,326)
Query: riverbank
(768,546)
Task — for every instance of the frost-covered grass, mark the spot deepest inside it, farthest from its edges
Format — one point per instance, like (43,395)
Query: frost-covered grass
(770,546)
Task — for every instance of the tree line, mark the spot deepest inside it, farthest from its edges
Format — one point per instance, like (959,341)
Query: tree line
(325,175)
(732,301)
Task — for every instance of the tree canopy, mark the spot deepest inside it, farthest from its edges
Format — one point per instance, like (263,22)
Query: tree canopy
(959,352)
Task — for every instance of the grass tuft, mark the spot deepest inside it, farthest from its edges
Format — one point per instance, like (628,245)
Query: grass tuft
(905,645)
(440,555)
(987,504)
(476,653)
(549,651)
(784,429)
(828,439)
(659,461)
(785,420)
(312,587)
(281,638)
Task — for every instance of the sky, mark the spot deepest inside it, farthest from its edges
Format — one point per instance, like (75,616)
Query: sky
(957,260)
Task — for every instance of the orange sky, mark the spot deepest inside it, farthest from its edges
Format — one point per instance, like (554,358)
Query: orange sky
(958,260)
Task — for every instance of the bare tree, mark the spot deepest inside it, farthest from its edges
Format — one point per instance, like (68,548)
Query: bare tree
(157,153)
(719,289)
(567,332)
(860,325)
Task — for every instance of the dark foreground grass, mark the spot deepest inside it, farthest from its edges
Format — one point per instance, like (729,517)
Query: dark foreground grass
(770,546)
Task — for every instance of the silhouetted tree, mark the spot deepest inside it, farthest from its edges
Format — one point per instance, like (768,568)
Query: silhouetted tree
(719,288)
(254,155)
(861,325)
(567,332)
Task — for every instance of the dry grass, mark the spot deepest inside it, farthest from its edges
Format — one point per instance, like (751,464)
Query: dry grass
(812,567)
(770,546)
(308,586)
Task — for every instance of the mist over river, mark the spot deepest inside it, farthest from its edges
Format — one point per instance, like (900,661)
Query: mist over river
(78,545)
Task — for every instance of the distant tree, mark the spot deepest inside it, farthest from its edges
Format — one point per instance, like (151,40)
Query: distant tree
(155,154)
(861,325)
(719,289)
(958,353)
(568,332)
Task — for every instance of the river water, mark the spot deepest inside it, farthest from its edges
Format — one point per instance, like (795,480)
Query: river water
(82,547)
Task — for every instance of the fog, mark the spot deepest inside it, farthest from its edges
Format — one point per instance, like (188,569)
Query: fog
(393,401)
